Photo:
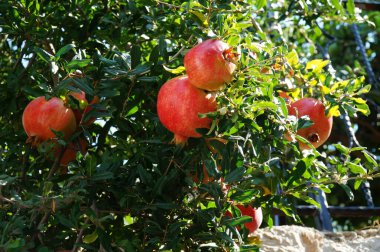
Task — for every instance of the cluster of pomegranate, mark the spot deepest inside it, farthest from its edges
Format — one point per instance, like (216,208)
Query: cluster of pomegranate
(45,121)
(209,66)
(318,133)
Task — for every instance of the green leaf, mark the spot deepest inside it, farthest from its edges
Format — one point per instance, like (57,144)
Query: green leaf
(348,191)
(304,5)
(356,169)
(338,6)
(259,105)
(297,172)
(260,4)
(102,176)
(363,108)
(165,205)
(15,244)
(357,183)
(343,149)
(306,198)
(283,106)
(148,78)
(140,69)
(237,221)
(74,64)
(368,157)
(65,221)
(304,122)
(235,175)
(133,111)
(350,7)
(64,50)
(5,180)
(44,55)
(83,85)
(90,238)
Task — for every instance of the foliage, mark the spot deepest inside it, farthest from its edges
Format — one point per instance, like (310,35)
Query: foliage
(133,190)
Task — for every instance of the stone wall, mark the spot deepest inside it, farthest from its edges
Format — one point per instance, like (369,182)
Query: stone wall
(304,239)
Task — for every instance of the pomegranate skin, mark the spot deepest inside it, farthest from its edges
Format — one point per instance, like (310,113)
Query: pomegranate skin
(210,65)
(319,132)
(255,213)
(41,117)
(178,106)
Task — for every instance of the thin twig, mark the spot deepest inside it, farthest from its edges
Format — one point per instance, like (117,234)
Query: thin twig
(181,50)
(56,163)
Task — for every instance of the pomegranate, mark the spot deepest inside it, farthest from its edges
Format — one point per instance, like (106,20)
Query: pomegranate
(255,213)
(210,64)
(41,118)
(178,106)
(320,131)
(84,108)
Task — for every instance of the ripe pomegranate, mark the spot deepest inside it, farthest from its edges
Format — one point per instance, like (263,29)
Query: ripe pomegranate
(255,213)
(84,108)
(210,64)
(178,106)
(41,118)
(320,131)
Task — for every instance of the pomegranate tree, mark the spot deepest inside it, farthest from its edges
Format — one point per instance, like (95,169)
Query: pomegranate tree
(210,64)
(255,213)
(320,130)
(178,106)
(42,118)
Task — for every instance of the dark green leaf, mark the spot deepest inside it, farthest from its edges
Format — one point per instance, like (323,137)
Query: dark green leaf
(348,191)
(64,50)
(235,175)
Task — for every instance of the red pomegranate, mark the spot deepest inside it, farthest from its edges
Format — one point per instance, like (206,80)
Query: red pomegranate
(41,118)
(84,108)
(320,131)
(178,106)
(210,64)
(255,213)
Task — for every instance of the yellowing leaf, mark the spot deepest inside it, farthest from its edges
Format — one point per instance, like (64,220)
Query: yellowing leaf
(325,90)
(317,65)
(313,82)
(359,100)
(292,58)
(339,84)
(334,111)
(296,93)
(177,70)
(201,17)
